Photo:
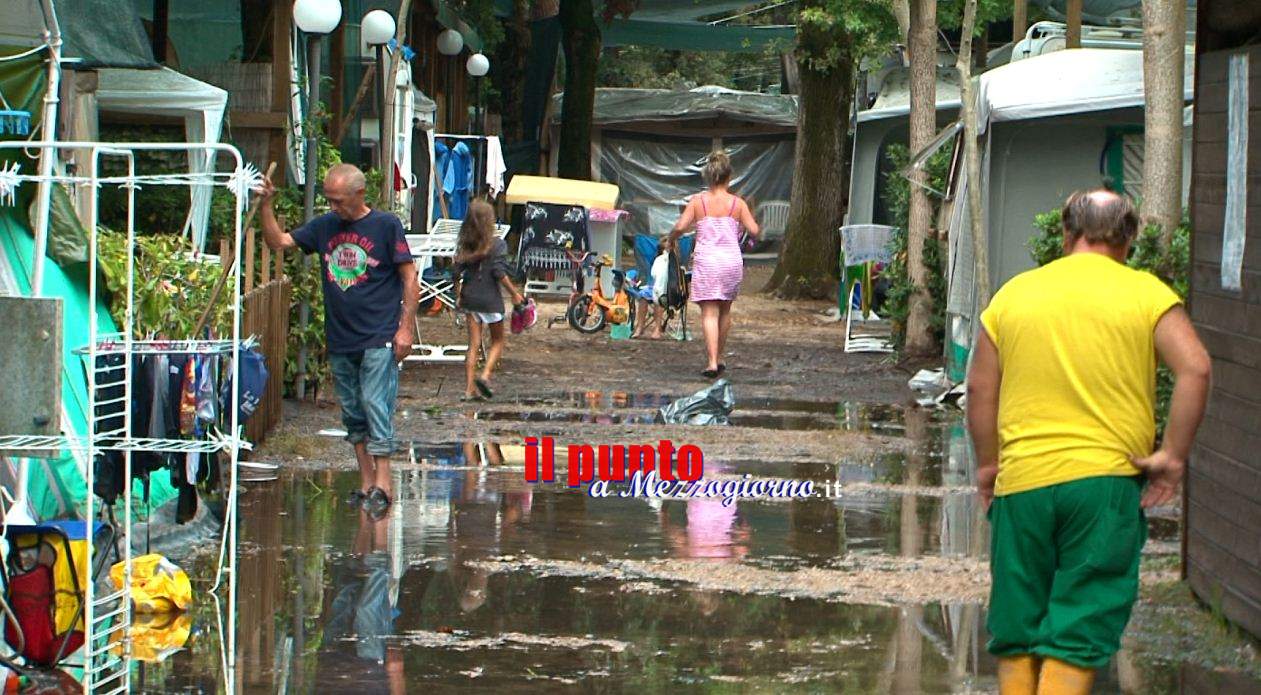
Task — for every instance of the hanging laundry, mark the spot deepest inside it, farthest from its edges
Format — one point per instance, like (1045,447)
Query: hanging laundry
(443,183)
(160,411)
(462,181)
(206,392)
(495,166)
(188,398)
(253,373)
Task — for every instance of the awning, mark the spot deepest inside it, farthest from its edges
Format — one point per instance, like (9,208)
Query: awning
(545,189)
(1071,81)
(94,33)
(698,36)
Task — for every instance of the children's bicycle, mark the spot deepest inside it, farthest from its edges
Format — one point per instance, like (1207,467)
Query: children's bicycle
(590,311)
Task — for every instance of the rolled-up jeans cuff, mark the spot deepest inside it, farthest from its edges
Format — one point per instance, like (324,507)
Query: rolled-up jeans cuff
(378,447)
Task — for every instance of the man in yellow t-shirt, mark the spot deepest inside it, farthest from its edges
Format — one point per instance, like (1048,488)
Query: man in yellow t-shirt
(1061,397)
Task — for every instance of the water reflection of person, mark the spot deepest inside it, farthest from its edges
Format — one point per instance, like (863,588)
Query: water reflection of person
(363,609)
(713,531)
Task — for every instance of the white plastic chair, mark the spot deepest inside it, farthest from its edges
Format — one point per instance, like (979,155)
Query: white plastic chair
(772,217)
(865,245)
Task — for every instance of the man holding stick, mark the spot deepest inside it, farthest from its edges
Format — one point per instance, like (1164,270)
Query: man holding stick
(371,295)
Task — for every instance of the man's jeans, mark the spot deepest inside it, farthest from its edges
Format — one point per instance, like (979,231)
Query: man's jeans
(367,386)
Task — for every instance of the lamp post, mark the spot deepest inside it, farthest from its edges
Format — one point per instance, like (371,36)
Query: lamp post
(478,65)
(377,29)
(315,18)
(450,43)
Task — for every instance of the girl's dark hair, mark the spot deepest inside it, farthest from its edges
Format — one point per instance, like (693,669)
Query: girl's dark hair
(477,234)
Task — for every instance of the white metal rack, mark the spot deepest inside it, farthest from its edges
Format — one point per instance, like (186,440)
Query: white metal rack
(107,618)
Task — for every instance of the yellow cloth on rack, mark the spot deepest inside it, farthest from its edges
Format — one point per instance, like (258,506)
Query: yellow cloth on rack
(156,636)
(157,584)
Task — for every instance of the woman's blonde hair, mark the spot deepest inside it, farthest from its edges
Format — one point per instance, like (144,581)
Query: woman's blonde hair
(717,169)
(477,234)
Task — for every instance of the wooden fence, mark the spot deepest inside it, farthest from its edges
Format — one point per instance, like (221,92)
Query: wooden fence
(265,314)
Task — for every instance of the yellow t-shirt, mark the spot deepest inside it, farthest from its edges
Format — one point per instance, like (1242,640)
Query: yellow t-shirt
(1078,359)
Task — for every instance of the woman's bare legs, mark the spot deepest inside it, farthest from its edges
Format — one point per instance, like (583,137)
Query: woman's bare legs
(711,327)
(496,349)
(724,327)
(470,355)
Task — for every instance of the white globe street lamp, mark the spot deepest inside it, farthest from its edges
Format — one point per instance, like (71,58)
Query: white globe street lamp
(377,27)
(478,65)
(317,16)
(450,42)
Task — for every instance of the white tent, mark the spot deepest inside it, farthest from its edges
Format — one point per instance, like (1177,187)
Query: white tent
(162,92)
(1049,126)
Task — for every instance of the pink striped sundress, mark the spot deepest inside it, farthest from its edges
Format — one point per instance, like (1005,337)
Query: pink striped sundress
(717,265)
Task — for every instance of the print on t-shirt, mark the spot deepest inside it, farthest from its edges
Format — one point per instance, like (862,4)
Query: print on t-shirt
(348,260)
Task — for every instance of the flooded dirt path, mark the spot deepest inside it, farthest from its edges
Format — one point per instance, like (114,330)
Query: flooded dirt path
(476,580)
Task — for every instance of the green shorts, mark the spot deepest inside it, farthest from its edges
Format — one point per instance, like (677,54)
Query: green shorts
(1064,561)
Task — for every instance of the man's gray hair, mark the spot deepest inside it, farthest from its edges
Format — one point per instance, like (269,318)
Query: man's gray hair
(1101,216)
(348,174)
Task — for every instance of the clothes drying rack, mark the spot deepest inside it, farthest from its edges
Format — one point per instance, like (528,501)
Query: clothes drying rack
(107,617)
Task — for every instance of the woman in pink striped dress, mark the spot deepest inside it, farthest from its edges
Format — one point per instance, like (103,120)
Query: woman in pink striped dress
(717,265)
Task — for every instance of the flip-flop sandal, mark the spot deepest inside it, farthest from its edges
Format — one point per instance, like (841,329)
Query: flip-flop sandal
(483,388)
(709,373)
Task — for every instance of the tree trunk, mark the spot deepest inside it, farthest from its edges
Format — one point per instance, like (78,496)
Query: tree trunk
(972,158)
(581,42)
(820,174)
(923,122)
(510,72)
(902,13)
(1164,35)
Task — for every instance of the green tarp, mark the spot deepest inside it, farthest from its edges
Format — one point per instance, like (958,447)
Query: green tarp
(696,36)
(637,105)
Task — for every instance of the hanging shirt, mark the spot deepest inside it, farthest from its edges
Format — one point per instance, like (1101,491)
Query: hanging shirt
(461,181)
(495,166)
(363,292)
(442,181)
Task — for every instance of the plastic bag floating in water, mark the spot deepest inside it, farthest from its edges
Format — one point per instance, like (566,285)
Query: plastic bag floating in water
(710,406)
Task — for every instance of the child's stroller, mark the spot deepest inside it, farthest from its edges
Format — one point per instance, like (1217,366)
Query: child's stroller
(673,300)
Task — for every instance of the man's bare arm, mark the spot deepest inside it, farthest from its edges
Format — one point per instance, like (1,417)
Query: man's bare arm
(276,238)
(1180,349)
(411,302)
(984,378)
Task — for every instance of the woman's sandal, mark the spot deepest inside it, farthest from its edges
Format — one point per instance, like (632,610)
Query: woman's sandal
(709,373)
(483,388)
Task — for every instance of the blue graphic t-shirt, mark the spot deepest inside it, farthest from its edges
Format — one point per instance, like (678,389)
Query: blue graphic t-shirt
(363,292)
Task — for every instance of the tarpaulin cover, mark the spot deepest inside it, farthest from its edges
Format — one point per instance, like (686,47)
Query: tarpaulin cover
(710,406)
(1070,81)
(657,174)
(94,33)
(637,105)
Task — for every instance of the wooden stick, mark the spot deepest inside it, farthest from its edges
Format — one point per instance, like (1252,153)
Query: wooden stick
(248,270)
(265,263)
(227,261)
(279,260)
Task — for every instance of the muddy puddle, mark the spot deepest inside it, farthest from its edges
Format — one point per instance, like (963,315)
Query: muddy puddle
(475,579)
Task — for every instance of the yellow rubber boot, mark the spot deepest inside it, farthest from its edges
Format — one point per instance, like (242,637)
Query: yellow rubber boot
(1061,678)
(1018,675)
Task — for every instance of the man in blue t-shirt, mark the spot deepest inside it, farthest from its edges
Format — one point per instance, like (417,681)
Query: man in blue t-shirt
(370,299)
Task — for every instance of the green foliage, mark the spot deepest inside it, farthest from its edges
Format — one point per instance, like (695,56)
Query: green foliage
(867,27)
(950,13)
(171,289)
(646,67)
(897,198)
(1172,265)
